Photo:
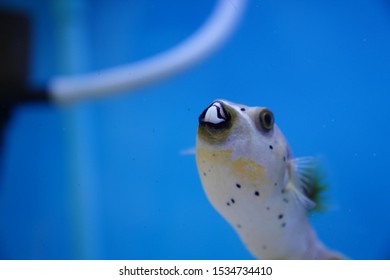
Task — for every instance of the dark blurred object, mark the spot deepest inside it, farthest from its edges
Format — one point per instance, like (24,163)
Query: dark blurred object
(14,49)
(15,37)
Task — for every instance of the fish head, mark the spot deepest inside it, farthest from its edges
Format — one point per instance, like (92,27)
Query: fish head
(250,132)
(234,138)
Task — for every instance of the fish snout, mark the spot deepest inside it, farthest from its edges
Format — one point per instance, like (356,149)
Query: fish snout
(216,115)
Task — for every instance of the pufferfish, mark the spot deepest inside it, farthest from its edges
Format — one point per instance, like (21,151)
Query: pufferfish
(250,177)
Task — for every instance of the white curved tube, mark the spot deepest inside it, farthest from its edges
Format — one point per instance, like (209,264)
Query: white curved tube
(208,38)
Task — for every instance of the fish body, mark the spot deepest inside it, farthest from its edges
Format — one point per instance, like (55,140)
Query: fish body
(250,177)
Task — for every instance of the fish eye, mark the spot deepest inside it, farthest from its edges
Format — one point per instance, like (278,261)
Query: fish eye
(266,120)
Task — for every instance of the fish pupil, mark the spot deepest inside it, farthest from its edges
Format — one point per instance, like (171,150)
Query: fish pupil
(268,120)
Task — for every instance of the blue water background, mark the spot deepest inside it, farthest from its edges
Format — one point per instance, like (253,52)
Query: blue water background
(104,179)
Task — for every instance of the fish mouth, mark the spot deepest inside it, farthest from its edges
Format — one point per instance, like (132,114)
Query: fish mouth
(215,115)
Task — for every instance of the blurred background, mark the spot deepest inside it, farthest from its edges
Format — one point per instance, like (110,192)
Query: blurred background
(106,179)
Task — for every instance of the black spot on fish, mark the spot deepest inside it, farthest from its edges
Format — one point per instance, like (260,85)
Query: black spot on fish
(283,191)
(271,147)
(238,186)
(232,200)
(264,247)
(213,155)
(284,158)
(204,174)
(243,109)
(267,208)
(280,216)
(275,184)
(238,226)
(257,193)
(284,224)
(285,200)
(227,203)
